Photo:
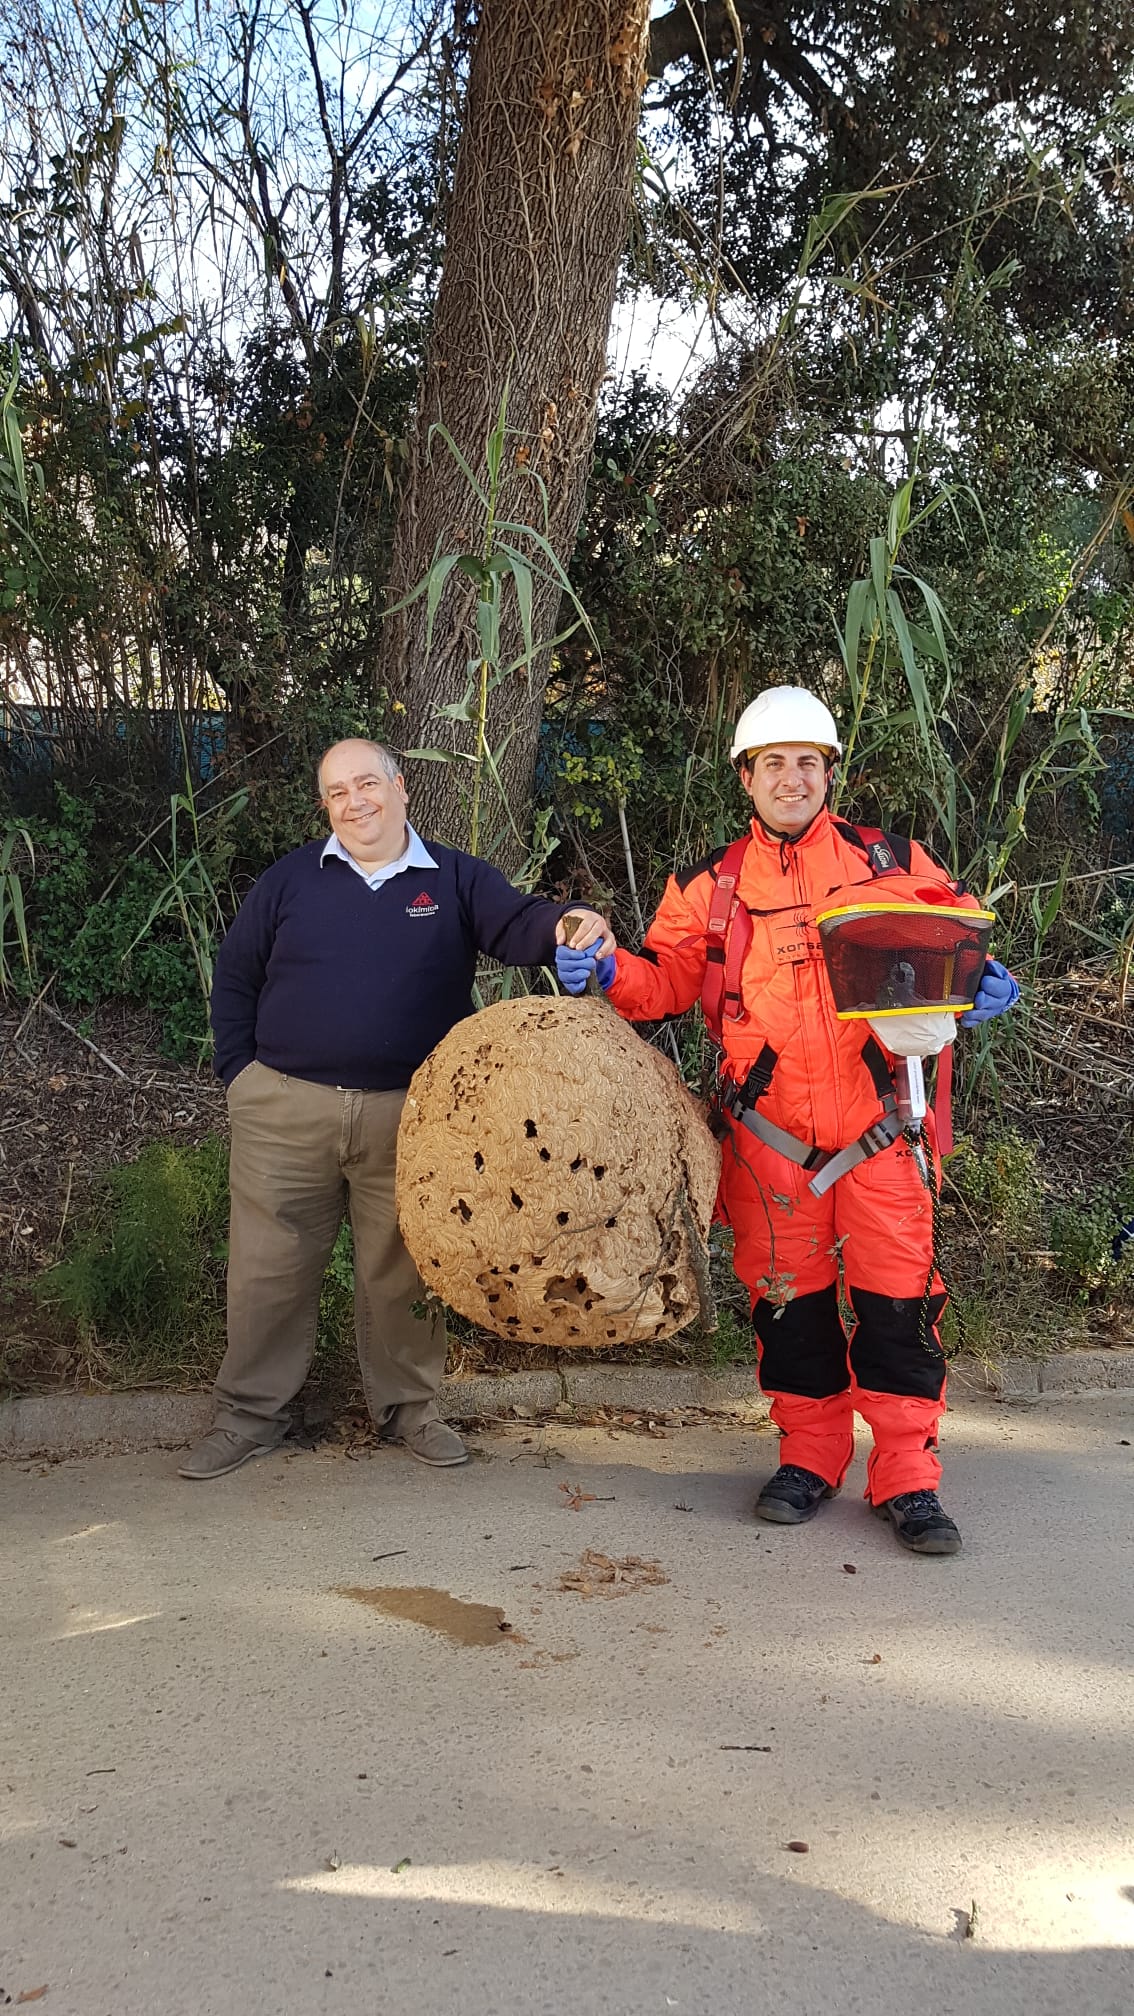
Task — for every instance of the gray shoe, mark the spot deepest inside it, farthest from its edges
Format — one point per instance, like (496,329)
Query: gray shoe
(432,1441)
(921,1522)
(221,1451)
(793,1496)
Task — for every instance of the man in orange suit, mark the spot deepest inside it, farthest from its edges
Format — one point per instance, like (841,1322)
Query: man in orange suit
(807,1106)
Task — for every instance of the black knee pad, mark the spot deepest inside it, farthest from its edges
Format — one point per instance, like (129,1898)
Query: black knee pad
(803,1346)
(886,1352)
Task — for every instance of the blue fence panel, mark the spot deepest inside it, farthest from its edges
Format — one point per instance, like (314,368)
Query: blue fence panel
(31,737)
(1116,792)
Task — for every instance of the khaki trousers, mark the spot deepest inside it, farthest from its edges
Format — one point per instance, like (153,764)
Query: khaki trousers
(302,1154)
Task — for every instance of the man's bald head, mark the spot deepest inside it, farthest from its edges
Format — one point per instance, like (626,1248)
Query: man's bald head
(384,759)
(365,800)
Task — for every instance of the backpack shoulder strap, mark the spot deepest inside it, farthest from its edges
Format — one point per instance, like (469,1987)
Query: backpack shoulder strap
(943,1101)
(729,934)
(887,853)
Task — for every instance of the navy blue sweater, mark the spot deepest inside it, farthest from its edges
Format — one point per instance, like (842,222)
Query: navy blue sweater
(323,978)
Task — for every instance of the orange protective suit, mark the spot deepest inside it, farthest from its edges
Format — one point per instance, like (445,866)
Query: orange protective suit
(877,1218)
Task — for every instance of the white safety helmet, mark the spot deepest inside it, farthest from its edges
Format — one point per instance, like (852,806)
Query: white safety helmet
(785,714)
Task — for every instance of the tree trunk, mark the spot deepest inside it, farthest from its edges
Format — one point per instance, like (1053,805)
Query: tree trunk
(534,235)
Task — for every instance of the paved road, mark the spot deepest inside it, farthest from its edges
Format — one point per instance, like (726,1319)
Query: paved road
(229,1790)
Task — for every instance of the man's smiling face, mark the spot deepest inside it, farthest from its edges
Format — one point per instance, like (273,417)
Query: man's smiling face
(366,808)
(787,783)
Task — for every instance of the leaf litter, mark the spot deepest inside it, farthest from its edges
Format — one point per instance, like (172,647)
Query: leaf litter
(575,1497)
(605,1575)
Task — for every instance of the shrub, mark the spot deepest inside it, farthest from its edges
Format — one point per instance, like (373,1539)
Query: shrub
(993,1248)
(146,1267)
(143,1280)
(1002,1184)
(1025,1268)
(1083,1241)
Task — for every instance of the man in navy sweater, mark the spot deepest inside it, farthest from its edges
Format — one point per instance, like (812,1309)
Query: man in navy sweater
(348,961)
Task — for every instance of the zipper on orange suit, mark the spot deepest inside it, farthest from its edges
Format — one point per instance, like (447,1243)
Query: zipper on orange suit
(831,1085)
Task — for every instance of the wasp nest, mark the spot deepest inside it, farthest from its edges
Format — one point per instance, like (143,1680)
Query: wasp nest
(555,1179)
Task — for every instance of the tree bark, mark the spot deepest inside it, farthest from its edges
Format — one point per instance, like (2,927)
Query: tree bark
(534,235)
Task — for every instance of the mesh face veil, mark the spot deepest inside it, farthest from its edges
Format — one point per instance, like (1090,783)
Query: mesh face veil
(897,958)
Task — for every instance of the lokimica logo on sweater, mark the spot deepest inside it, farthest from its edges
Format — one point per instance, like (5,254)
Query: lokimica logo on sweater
(422,906)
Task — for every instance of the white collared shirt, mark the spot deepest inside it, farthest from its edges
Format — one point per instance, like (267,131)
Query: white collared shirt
(415,854)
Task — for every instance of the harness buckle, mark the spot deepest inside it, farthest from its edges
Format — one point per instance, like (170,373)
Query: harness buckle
(875,1138)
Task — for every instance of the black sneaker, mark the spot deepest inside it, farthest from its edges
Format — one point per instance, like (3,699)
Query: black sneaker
(921,1522)
(793,1495)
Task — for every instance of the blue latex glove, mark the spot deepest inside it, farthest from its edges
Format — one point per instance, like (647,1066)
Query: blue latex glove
(574,968)
(997,993)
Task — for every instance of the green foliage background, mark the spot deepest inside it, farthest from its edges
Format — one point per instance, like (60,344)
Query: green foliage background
(904,240)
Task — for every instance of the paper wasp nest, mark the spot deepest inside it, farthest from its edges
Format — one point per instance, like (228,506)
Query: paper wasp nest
(555,1179)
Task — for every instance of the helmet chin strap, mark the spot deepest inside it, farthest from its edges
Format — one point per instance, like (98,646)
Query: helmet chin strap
(784,839)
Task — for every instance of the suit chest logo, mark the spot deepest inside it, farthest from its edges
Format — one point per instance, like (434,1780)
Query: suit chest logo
(794,940)
(423,906)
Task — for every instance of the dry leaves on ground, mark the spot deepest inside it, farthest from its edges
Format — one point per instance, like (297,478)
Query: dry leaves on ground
(575,1497)
(601,1575)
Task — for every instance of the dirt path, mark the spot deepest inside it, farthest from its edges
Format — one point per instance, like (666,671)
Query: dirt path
(233,1788)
